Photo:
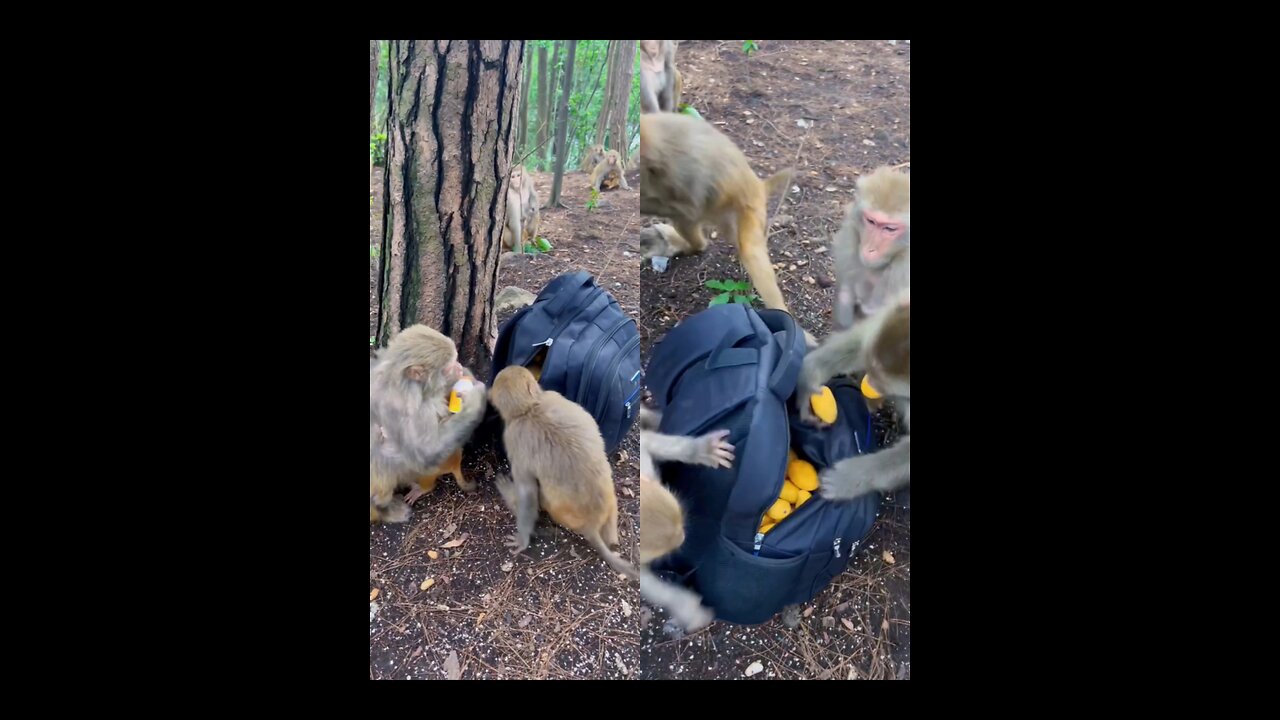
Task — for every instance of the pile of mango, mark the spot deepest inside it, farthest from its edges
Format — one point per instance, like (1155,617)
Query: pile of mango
(797,488)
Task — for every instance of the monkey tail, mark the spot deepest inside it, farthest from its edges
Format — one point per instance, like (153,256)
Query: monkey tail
(615,561)
(778,181)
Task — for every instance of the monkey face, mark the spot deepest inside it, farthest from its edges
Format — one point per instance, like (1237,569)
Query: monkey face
(517,177)
(882,234)
(650,47)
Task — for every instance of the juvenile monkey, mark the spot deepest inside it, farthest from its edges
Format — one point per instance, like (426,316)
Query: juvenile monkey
(695,175)
(880,345)
(872,249)
(411,431)
(592,158)
(523,216)
(658,75)
(558,462)
(609,172)
(661,517)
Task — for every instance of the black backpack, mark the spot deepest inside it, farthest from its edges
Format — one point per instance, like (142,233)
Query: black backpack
(592,350)
(731,367)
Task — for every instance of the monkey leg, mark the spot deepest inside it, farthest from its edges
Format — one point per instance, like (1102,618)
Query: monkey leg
(883,471)
(424,485)
(753,251)
(622,178)
(615,561)
(690,240)
(383,505)
(520,493)
(609,530)
(467,486)
(684,605)
(649,419)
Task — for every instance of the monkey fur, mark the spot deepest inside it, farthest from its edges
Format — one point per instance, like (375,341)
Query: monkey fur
(661,517)
(695,175)
(609,172)
(411,431)
(658,76)
(592,158)
(880,345)
(872,249)
(523,215)
(558,462)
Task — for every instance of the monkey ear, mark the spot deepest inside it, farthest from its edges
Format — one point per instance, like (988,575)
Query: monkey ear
(417,373)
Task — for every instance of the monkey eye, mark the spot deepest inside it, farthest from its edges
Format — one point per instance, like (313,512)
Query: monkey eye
(890,228)
(870,222)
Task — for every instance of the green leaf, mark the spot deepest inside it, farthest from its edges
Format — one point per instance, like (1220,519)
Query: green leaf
(719,285)
(370,339)
(691,110)
(742,285)
(530,249)
(742,299)
(720,299)
(543,245)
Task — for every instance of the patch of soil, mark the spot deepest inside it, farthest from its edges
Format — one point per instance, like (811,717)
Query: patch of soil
(857,96)
(557,610)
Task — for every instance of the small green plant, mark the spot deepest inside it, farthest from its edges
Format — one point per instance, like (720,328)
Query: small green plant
(688,109)
(594,200)
(371,340)
(378,148)
(373,252)
(736,291)
(538,246)
(749,46)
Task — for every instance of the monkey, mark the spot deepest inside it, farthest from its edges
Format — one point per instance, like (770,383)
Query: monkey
(609,172)
(694,174)
(658,76)
(872,249)
(523,216)
(658,238)
(558,462)
(661,517)
(411,431)
(592,158)
(880,345)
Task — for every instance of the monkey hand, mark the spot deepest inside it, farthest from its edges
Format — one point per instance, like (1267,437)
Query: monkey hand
(850,478)
(396,512)
(713,451)
(806,410)
(474,401)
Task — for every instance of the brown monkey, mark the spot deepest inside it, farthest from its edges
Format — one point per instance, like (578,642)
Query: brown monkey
(558,461)
(659,238)
(608,172)
(694,174)
(880,345)
(523,216)
(679,90)
(411,431)
(661,517)
(658,76)
(872,250)
(592,158)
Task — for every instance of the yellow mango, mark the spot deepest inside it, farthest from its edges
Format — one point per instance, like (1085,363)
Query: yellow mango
(803,497)
(868,390)
(824,405)
(803,475)
(779,510)
(789,491)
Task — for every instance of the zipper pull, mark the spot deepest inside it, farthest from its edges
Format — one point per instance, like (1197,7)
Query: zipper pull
(546,342)
(759,541)
(628,410)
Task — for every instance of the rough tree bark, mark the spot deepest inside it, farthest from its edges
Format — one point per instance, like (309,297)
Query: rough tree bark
(524,107)
(373,84)
(450,136)
(562,126)
(624,66)
(555,65)
(605,104)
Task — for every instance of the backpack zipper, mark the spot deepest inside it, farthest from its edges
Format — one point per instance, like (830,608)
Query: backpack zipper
(613,368)
(595,352)
(565,323)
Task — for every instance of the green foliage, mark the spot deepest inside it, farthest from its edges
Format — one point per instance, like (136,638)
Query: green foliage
(538,246)
(380,92)
(593,200)
(749,46)
(378,149)
(688,109)
(370,341)
(373,252)
(736,291)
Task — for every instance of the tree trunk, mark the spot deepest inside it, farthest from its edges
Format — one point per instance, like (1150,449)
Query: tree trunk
(562,126)
(555,68)
(373,84)
(544,103)
(451,132)
(605,102)
(625,61)
(523,137)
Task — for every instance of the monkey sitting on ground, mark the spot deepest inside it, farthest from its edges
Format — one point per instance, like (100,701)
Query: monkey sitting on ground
(558,462)
(880,346)
(411,431)
(872,249)
(523,216)
(662,519)
(608,172)
(659,91)
(592,158)
(695,175)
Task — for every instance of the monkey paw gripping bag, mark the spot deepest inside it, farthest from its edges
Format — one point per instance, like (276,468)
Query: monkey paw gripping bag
(577,340)
(734,368)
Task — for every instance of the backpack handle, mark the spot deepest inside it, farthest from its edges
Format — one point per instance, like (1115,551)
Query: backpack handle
(565,290)
(792,349)
(726,355)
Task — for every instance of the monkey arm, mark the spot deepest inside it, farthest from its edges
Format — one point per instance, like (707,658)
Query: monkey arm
(622,178)
(520,495)
(648,93)
(841,353)
(709,449)
(430,449)
(684,605)
(883,471)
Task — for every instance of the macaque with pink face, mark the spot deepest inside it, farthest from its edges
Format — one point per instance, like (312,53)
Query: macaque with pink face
(872,250)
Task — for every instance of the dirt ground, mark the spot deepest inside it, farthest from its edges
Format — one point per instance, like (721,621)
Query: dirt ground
(557,611)
(857,96)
